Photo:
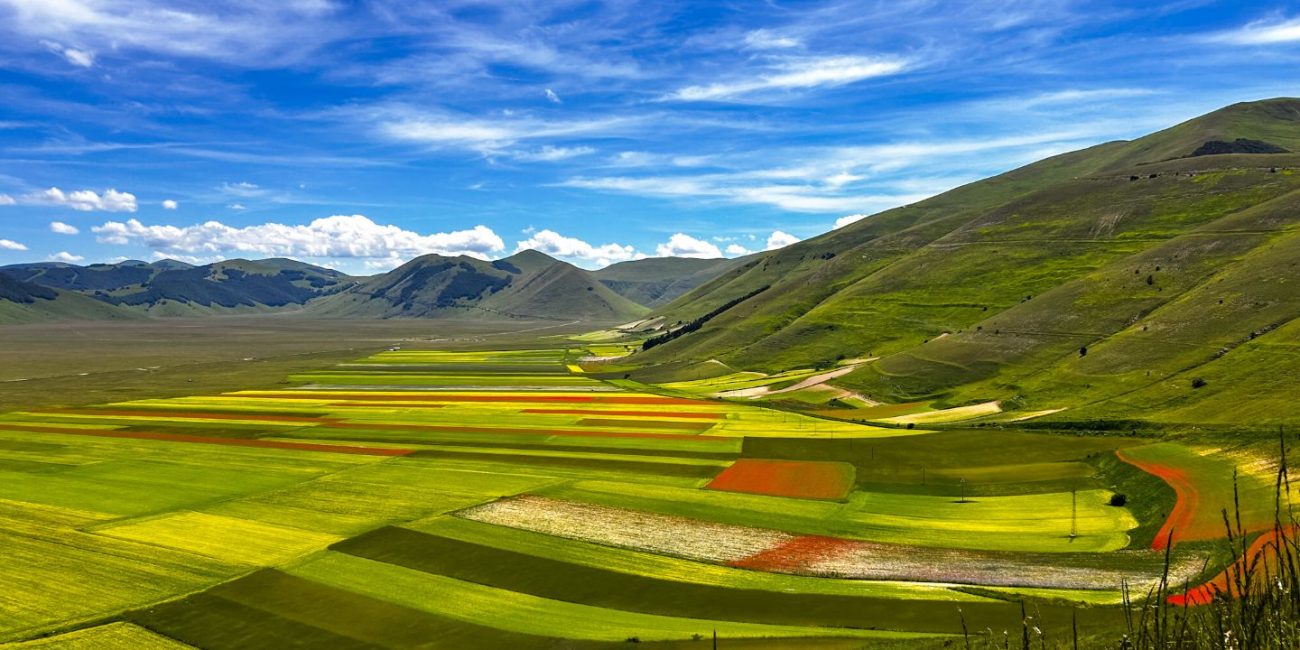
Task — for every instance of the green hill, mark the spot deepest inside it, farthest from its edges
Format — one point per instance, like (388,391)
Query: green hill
(23,302)
(526,285)
(1102,282)
(659,280)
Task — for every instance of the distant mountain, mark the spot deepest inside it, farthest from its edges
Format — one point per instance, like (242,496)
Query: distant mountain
(659,280)
(1104,282)
(169,287)
(22,302)
(526,285)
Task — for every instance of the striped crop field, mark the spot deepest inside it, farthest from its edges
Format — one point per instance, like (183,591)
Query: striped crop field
(510,498)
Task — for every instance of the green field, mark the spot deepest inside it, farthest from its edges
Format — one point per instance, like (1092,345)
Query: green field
(501,497)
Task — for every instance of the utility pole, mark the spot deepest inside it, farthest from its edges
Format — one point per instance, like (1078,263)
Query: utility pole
(1074,512)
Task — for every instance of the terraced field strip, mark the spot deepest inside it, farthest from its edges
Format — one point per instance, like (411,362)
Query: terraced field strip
(645,423)
(956,414)
(1204,487)
(646,414)
(782,552)
(169,414)
(209,440)
(114,636)
(787,478)
(566,570)
(1037,523)
(394,426)
(228,539)
(527,614)
(448,397)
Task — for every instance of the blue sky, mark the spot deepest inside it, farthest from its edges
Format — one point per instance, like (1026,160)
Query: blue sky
(359,135)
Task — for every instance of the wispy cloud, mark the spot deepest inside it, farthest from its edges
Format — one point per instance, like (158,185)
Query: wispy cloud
(796,74)
(1267,32)
(551,153)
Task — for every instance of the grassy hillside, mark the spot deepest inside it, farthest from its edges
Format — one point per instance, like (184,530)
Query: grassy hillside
(659,280)
(1101,282)
(526,285)
(23,302)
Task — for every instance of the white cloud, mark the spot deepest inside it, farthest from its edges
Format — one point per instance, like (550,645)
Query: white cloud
(1262,33)
(80,58)
(848,219)
(549,153)
(238,207)
(243,189)
(87,200)
(443,129)
(683,245)
(552,97)
(802,73)
(65,257)
(261,34)
(737,250)
(766,39)
(5,199)
(779,239)
(170,204)
(339,236)
(553,243)
(63,228)
(11,245)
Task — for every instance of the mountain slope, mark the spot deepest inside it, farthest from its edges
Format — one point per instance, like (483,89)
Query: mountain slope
(659,280)
(22,302)
(526,285)
(174,288)
(989,291)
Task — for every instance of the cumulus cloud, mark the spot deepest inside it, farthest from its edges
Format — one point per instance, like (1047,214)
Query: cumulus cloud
(5,199)
(553,243)
(736,250)
(170,204)
(65,257)
(339,236)
(779,239)
(87,200)
(11,245)
(848,219)
(63,228)
(683,245)
(237,207)
(797,74)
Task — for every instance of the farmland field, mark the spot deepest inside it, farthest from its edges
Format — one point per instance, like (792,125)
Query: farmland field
(480,496)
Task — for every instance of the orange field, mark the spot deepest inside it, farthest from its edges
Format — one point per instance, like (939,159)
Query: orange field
(787,478)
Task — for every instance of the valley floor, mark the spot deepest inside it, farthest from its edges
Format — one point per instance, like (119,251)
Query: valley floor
(380,485)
